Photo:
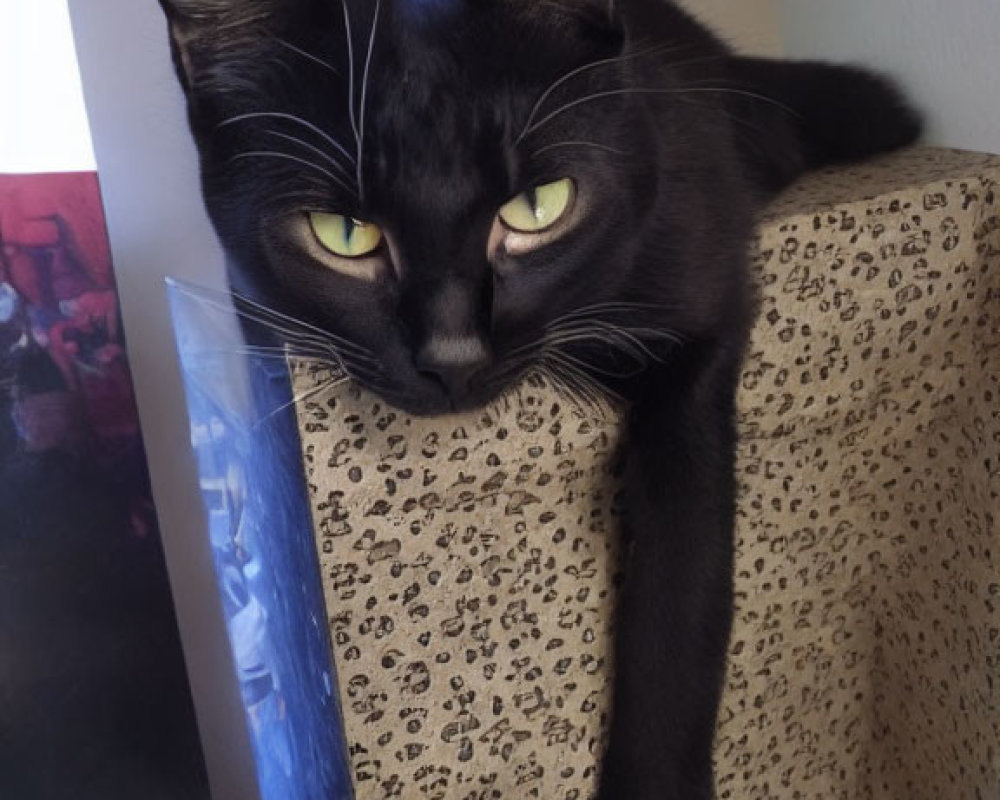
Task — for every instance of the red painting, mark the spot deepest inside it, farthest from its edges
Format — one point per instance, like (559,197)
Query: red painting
(94,698)
(58,304)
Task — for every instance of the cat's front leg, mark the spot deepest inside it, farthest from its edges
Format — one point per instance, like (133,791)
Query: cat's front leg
(675,607)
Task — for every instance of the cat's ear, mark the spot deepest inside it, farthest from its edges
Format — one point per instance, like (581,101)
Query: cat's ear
(200,26)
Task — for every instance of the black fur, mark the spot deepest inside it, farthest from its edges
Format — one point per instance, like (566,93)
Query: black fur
(683,140)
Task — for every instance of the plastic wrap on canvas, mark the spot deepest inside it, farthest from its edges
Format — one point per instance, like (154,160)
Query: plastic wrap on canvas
(244,435)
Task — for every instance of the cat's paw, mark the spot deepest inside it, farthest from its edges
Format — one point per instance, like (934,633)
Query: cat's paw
(665,785)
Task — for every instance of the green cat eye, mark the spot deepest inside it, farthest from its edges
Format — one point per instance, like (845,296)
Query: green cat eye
(540,208)
(345,236)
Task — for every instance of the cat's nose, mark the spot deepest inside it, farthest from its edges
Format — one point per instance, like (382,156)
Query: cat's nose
(453,361)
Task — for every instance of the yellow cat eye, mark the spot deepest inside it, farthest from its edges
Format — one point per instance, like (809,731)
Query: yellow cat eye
(345,236)
(540,208)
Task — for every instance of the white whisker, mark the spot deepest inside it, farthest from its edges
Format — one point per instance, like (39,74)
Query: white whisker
(601,329)
(286,157)
(586,367)
(566,387)
(570,389)
(302,397)
(350,62)
(364,98)
(581,384)
(291,118)
(593,145)
(298,332)
(275,353)
(307,55)
(608,307)
(647,91)
(578,71)
(565,342)
(312,148)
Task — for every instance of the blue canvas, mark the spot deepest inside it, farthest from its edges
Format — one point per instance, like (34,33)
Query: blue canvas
(246,442)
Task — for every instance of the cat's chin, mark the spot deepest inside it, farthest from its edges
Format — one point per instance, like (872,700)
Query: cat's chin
(435,407)
(436,403)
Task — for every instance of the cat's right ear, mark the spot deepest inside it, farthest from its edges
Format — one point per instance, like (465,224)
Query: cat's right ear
(198,27)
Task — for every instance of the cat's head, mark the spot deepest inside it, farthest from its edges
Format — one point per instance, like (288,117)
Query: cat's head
(455,189)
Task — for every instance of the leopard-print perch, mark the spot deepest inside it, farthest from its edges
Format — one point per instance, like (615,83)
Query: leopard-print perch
(469,562)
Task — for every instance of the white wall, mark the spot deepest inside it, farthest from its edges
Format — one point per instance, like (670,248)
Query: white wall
(945,52)
(49,131)
(158,227)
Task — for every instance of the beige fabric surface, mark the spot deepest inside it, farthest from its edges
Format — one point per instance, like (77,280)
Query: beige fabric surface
(468,565)
(468,562)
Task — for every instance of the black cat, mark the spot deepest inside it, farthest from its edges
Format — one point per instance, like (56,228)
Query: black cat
(457,191)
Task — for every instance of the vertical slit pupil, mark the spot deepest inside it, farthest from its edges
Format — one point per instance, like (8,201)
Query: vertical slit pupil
(532,195)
